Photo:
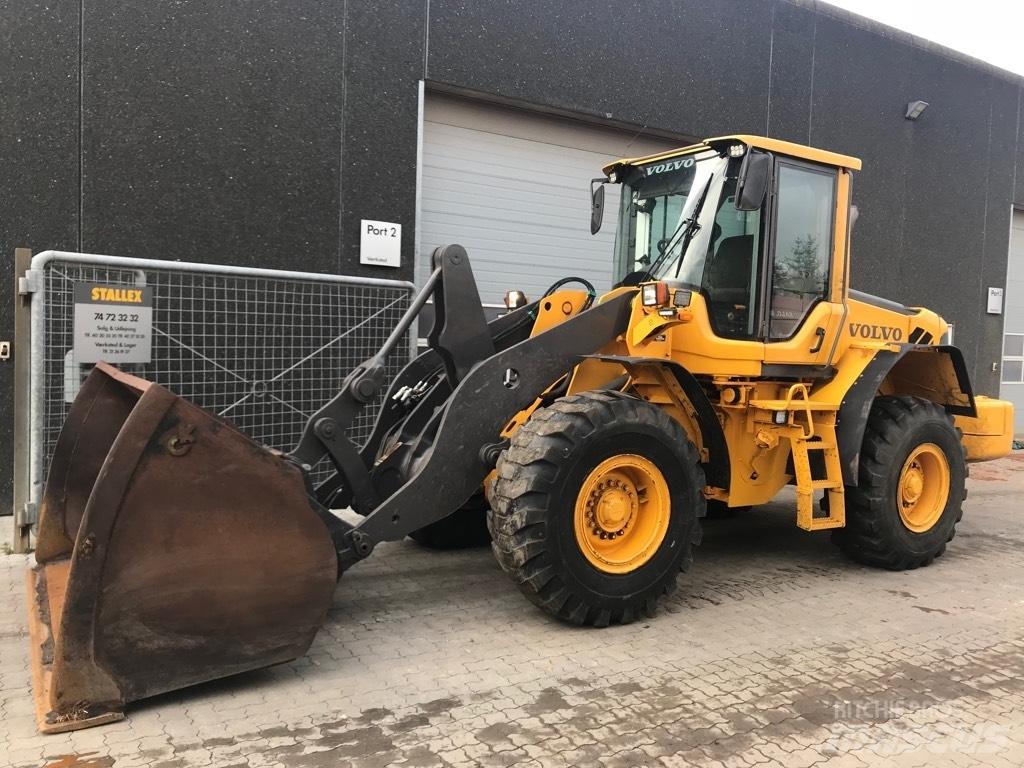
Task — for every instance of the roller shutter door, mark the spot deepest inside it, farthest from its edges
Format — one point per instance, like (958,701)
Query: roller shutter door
(513,188)
(1012,387)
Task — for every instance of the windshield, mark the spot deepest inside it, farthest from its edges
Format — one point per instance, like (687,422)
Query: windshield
(667,216)
(678,221)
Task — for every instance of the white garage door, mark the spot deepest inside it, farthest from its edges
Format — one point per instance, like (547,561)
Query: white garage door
(513,188)
(1012,387)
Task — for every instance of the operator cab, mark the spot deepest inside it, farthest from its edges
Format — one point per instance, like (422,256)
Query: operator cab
(763,253)
(678,222)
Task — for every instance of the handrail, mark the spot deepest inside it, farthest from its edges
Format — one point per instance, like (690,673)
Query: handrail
(805,397)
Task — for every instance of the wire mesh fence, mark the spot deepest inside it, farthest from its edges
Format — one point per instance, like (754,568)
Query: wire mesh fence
(260,350)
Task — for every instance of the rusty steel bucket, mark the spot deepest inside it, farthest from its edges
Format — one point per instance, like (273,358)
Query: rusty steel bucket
(172,550)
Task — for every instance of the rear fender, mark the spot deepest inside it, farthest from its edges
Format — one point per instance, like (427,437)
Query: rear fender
(936,373)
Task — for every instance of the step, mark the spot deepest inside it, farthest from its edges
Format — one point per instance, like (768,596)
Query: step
(836,518)
(806,485)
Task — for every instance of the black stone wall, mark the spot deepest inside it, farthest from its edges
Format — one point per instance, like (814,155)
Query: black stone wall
(260,133)
(40,162)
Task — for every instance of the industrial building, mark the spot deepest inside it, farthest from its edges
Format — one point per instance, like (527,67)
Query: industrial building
(264,134)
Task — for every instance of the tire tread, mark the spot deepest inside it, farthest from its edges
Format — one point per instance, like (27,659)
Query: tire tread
(520,500)
(865,536)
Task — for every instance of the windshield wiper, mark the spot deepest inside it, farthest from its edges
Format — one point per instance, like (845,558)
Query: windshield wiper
(687,228)
(667,249)
(694,227)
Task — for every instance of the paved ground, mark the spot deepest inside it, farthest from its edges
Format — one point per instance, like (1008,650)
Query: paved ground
(775,651)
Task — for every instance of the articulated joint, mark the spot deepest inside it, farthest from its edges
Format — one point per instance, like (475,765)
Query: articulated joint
(490,453)
(354,545)
(361,543)
(326,428)
(365,383)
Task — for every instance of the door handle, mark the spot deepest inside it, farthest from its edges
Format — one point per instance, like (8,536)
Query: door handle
(820,333)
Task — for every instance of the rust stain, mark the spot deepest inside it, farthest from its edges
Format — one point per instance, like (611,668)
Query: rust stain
(1000,470)
(132,620)
(86,760)
(990,474)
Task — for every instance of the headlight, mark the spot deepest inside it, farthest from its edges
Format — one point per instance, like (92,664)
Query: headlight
(653,294)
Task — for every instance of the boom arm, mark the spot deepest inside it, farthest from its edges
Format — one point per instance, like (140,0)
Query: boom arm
(459,417)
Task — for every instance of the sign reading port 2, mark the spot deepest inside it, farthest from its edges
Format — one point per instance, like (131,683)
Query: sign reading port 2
(380,243)
(113,323)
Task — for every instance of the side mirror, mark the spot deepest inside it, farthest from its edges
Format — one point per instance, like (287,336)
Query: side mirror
(596,204)
(752,184)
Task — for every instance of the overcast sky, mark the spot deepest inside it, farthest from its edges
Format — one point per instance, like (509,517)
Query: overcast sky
(990,30)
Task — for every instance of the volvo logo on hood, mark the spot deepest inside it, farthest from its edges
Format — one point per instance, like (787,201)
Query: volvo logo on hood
(876,332)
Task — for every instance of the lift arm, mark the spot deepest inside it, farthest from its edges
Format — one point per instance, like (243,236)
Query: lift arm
(482,375)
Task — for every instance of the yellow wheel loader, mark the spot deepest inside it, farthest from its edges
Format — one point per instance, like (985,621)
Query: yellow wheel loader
(732,359)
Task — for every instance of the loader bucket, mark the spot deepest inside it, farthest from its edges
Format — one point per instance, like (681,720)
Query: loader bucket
(171,550)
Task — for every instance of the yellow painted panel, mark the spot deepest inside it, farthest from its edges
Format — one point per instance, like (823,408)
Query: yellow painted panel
(990,434)
(695,345)
(762,142)
(797,350)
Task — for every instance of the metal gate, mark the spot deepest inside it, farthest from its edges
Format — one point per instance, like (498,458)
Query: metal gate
(262,348)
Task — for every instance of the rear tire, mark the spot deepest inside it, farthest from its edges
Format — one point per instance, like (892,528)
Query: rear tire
(551,480)
(912,484)
(465,528)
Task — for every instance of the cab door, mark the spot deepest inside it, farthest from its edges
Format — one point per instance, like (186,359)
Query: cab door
(805,264)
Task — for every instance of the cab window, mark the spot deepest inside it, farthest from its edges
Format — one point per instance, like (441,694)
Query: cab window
(731,276)
(803,245)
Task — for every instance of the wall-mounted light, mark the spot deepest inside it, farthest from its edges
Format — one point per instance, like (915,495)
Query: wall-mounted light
(515,300)
(915,108)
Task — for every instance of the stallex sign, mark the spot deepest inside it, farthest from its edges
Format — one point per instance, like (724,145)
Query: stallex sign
(113,324)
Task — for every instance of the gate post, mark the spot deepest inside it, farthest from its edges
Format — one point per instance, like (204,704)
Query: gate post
(23,515)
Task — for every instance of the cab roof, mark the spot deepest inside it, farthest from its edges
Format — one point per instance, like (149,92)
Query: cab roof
(761,142)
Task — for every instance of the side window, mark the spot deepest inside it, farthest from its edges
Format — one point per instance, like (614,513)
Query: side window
(730,276)
(803,246)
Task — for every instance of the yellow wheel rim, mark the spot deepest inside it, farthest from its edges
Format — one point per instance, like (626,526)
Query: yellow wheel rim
(622,513)
(923,487)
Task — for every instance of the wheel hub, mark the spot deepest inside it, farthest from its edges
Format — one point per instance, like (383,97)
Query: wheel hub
(913,484)
(622,513)
(610,507)
(923,488)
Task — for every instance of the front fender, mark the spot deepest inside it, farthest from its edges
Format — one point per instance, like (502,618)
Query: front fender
(717,468)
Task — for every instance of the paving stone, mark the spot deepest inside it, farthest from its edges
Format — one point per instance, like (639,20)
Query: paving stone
(775,650)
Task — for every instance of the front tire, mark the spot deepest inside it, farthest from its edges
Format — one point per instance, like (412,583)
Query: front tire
(596,507)
(912,484)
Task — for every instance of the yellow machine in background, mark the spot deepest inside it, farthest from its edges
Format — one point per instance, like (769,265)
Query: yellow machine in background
(586,436)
